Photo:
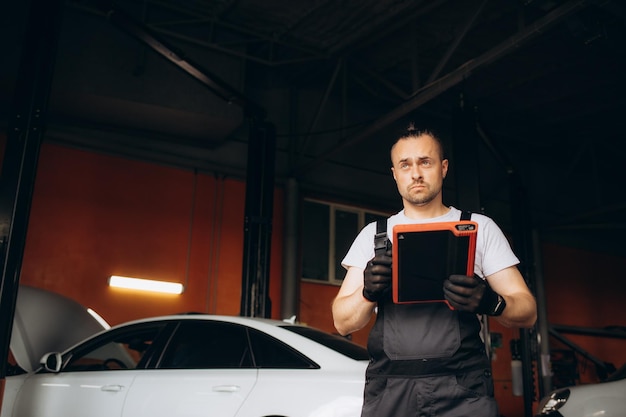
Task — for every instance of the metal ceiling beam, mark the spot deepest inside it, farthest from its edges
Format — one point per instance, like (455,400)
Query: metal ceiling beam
(455,43)
(218,87)
(385,82)
(380,29)
(307,16)
(389,20)
(437,87)
(300,53)
(320,107)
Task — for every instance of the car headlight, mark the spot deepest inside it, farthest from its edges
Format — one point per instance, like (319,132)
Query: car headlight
(553,402)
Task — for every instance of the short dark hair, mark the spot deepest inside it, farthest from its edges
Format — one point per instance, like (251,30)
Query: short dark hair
(412,133)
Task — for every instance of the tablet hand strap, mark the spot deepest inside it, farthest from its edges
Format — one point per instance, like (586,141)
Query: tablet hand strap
(377,276)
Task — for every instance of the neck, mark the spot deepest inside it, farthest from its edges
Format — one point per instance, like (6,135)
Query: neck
(425,211)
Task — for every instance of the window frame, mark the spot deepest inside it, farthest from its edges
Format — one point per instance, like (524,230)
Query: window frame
(109,337)
(333,207)
(255,340)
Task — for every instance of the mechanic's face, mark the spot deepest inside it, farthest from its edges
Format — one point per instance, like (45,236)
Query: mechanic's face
(418,169)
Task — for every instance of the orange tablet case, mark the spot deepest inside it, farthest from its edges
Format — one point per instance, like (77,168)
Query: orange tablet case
(424,255)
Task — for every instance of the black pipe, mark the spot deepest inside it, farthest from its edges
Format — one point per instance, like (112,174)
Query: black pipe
(255,301)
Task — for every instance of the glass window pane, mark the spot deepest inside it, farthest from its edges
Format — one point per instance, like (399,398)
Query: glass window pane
(315,238)
(206,345)
(337,343)
(346,229)
(270,353)
(123,349)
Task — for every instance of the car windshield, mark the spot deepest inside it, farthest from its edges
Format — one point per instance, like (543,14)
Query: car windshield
(336,343)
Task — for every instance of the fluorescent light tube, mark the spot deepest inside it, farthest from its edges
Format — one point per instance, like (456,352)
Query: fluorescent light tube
(145,285)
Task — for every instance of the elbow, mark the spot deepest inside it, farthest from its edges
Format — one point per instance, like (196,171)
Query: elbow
(341,330)
(341,326)
(531,321)
(528,324)
(521,322)
(340,321)
(522,313)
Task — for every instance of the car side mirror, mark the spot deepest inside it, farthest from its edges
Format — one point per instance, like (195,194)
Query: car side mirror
(52,362)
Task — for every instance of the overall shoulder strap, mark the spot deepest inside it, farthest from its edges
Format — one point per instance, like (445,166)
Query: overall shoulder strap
(380,239)
(466,215)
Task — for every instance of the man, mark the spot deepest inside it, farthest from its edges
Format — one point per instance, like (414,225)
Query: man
(426,358)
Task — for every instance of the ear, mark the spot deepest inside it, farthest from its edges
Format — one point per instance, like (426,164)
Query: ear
(444,168)
(393,172)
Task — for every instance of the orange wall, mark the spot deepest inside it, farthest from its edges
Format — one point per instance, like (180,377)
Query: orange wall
(95,215)
(315,309)
(586,289)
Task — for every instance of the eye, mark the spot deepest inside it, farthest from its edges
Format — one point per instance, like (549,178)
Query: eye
(404,165)
(426,162)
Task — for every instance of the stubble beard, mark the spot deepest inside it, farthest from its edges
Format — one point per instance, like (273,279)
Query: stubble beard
(422,198)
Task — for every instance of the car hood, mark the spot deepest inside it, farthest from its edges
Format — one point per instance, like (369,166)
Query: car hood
(47,322)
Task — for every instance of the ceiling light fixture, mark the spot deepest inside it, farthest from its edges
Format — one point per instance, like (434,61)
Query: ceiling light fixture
(146,285)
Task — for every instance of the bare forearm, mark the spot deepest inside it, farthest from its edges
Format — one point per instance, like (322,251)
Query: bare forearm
(520,311)
(351,312)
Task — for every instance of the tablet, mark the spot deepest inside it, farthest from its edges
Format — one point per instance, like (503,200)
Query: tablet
(425,254)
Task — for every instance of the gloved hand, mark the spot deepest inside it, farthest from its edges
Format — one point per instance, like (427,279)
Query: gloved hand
(470,294)
(377,276)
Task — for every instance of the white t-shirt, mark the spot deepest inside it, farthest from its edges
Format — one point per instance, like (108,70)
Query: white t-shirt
(493,251)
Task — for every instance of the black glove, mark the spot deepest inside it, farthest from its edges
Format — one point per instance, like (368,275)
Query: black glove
(377,276)
(473,295)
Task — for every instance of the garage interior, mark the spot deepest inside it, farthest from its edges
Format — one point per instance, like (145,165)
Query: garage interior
(181,137)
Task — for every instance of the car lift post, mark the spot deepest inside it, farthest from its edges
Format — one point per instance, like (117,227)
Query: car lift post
(25,131)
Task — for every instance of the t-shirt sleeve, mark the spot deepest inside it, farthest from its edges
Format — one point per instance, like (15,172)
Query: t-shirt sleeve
(493,251)
(362,249)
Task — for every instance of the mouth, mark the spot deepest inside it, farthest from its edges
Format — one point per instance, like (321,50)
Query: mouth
(420,186)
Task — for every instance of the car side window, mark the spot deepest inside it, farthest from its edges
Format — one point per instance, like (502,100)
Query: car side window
(198,344)
(207,345)
(115,350)
(272,353)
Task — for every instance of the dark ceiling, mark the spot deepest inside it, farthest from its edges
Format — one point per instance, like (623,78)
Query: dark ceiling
(543,79)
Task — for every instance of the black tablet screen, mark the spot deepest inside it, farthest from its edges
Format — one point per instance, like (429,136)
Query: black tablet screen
(424,260)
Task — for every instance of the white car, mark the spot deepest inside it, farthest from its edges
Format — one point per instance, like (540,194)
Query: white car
(196,365)
(605,399)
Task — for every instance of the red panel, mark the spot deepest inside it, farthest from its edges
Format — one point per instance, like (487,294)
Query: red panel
(96,215)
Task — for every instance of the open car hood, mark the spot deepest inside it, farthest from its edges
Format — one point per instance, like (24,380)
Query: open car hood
(47,322)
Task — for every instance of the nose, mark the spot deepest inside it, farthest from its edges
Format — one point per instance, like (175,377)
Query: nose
(416,172)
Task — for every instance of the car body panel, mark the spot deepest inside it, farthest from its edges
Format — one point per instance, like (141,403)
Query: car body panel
(325,403)
(12,387)
(176,372)
(606,399)
(71,394)
(190,393)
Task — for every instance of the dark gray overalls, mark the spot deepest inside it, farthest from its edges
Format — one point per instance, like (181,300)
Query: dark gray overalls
(427,360)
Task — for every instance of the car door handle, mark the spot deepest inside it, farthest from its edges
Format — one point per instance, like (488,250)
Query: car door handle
(112,388)
(226,388)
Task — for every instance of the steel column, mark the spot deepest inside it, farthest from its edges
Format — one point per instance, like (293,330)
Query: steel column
(522,242)
(255,301)
(25,133)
